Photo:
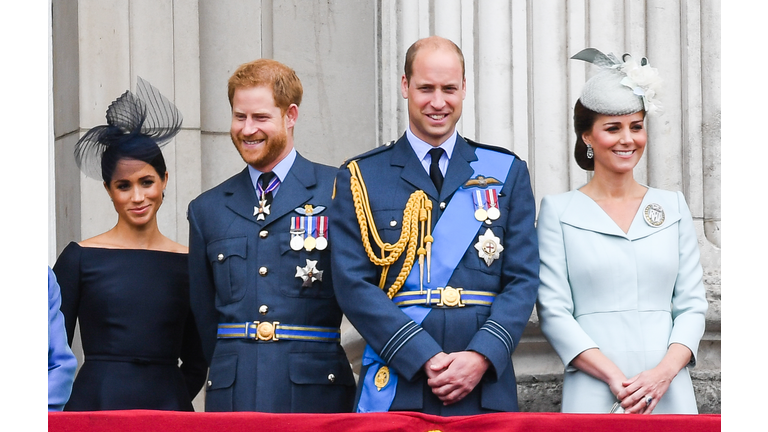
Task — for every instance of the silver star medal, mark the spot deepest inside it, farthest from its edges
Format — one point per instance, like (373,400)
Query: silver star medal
(309,274)
(489,247)
(262,210)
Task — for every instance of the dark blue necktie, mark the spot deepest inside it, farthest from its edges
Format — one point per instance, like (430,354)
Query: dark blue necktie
(434,169)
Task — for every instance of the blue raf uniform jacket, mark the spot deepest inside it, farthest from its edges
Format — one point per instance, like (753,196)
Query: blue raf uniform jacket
(243,270)
(391,174)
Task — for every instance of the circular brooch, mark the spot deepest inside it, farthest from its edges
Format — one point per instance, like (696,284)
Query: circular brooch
(654,215)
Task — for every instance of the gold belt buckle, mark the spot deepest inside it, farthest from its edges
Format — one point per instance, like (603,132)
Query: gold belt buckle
(266,330)
(450,297)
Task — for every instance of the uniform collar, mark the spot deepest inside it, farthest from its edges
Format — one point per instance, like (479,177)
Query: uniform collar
(421,148)
(280,170)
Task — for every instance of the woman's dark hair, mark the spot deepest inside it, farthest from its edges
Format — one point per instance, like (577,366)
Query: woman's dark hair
(132,146)
(583,120)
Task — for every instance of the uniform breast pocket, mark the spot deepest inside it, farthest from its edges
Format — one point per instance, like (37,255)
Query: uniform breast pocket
(389,224)
(487,251)
(228,261)
(322,382)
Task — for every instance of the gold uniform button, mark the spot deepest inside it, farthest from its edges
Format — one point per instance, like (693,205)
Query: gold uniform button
(263,309)
(220,257)
(263,234)
(263,271)
(331,377)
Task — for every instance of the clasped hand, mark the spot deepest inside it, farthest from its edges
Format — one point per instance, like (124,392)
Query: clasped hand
(641,393)
(453,376)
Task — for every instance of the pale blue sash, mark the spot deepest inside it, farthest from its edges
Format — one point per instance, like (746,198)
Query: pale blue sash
(457,225)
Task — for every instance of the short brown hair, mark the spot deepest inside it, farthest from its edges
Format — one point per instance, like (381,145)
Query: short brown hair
(285,84)
(432,42)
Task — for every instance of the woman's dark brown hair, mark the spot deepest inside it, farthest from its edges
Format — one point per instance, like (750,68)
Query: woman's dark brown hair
(583,120)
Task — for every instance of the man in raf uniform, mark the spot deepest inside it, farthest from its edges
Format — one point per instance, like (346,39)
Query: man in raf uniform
(436,257)
(259,263)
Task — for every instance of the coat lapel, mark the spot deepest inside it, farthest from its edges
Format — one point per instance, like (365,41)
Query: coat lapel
(413,172)
(668,202)
(584,213)
(459,170)
(411,169)
(241,197)
(295,191)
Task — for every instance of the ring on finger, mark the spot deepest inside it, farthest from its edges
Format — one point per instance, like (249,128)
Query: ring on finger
(648,401)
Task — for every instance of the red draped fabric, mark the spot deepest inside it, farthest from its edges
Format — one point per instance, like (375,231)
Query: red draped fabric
(165,421)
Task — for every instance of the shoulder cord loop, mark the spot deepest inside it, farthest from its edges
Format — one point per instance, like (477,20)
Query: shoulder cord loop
(417,214)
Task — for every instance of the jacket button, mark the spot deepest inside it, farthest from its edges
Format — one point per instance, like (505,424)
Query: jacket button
(393,223)
(263,234)
(220,257)
(263,309)
(210,383)
(442,206)
(331,377)
(263,271)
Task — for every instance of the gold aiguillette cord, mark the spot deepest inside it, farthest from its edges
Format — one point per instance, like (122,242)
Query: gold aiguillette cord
(418,211)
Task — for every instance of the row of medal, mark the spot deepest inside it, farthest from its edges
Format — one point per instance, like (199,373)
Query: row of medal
(309,232)
(487,210)
(486,205)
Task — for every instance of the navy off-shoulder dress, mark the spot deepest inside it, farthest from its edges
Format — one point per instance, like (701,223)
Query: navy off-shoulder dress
(135,326)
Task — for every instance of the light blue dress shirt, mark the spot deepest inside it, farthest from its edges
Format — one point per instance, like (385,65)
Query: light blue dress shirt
(280,170)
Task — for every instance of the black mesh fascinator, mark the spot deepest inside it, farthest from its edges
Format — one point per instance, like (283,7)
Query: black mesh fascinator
(138,125)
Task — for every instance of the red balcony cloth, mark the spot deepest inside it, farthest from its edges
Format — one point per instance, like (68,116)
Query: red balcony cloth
(166,421)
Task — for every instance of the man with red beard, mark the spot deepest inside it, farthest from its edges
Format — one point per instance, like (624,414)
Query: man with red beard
(259,262)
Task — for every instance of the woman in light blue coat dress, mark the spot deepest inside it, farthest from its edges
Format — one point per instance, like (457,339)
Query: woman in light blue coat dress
(621,298)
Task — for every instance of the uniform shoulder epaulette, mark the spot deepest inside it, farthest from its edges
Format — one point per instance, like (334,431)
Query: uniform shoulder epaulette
(382,148)
(489,147)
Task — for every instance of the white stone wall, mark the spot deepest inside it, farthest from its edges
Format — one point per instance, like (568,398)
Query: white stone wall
(349,55)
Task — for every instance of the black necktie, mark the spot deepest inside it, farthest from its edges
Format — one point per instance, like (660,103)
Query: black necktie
(434,169)
(267,183)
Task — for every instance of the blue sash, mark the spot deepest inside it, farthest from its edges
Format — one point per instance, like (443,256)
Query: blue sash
(457,223)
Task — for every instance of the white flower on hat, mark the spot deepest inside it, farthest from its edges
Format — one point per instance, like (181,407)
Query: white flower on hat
(644,81)
(603,92)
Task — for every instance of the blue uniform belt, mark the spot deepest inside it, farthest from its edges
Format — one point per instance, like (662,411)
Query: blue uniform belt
(275,331)
(444,297)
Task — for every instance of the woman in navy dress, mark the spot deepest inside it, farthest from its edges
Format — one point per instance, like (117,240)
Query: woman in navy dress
(129,287)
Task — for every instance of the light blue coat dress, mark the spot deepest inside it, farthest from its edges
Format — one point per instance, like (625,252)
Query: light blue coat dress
(630,295)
